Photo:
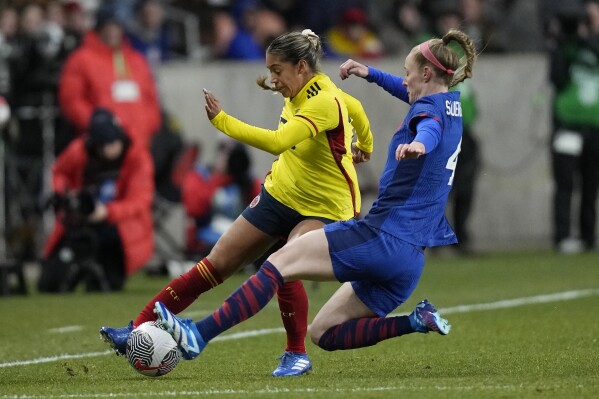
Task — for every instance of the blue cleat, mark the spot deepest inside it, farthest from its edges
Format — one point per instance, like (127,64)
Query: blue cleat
(293,364)
(425,318)
(117,337)
(184,332)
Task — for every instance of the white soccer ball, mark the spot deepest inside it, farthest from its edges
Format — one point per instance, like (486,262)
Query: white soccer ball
(151,350)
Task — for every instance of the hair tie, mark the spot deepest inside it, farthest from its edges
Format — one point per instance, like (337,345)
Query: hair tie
(308,32)
(428,54)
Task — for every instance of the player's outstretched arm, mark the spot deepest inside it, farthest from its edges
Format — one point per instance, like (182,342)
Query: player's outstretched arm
(351,67)
(272,141)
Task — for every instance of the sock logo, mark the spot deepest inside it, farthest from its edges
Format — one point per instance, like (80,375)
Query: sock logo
(287,314)
(173,293)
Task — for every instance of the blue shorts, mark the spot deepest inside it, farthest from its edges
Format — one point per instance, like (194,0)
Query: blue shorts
(382,269)
(273,217)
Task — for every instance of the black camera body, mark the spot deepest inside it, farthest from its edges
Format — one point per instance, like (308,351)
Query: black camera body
(74,207)
(75,259)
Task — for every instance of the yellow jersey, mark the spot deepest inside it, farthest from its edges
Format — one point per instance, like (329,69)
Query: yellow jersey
(314,174)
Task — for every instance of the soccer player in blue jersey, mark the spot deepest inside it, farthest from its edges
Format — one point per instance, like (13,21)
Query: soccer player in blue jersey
(380,258)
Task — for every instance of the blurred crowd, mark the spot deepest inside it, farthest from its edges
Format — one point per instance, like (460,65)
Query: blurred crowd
(63,61)
(240,29)
(361,28)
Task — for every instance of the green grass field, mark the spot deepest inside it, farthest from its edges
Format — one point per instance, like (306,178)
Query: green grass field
(525,325)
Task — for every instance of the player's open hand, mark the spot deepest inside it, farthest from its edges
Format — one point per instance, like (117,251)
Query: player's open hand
(212,104)
(358,155)
(409,151)
(351,67)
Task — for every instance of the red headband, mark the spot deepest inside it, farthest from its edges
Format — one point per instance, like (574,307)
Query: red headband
(428,54)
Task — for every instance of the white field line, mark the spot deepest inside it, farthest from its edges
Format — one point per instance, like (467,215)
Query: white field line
(55,358)
(250,333)
(512,303)
(273,391)
(65,329)
(508,303)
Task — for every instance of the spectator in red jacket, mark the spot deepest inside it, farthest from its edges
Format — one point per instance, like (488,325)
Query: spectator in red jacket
(107,72)
(104,187)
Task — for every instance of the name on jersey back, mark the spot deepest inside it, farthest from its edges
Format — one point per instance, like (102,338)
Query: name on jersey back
(453,108)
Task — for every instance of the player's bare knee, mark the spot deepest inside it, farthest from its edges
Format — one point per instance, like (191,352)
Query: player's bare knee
(282,262)
(317,329)
(315,336)
(281,257)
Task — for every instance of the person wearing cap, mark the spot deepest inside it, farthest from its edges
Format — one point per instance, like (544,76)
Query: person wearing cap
(353,37)
(105,71)
(75,25)
(113,179)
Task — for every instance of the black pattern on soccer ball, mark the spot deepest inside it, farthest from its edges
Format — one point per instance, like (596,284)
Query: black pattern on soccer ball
(151,351)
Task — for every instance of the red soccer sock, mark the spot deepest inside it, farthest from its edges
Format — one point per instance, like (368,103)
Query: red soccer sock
(183,290)
(293,303)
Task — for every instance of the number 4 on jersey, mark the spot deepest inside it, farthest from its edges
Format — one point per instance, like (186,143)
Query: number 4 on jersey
(452,162)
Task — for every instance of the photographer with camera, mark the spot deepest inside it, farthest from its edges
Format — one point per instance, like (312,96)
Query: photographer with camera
(103,186)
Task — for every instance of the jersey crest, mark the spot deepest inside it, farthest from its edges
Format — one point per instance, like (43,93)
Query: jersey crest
(255,201)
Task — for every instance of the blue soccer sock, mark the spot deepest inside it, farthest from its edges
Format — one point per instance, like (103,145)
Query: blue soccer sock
(249,299)
(365,331)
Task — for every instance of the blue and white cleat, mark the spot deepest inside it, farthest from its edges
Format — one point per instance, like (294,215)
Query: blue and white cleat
(184,332)
(117,337)
(293,364)
(425,318)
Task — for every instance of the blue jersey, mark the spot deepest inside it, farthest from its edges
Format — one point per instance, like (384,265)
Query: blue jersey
(413,192)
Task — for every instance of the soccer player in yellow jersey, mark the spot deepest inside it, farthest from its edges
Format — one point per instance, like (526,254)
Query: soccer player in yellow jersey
(312,183)
(312,139)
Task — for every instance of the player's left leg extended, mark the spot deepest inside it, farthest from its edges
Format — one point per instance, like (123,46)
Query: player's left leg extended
(345,322)
(380,272)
